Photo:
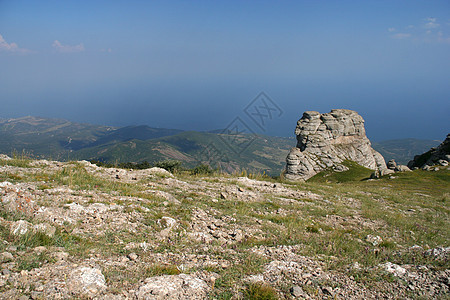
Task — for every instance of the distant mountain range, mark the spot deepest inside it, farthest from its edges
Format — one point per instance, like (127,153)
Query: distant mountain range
(64,140)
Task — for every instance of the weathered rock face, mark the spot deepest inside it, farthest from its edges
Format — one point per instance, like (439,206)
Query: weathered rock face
(436,156)
(326,140)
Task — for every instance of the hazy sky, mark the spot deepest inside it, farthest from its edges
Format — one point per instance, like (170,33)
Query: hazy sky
(196,65)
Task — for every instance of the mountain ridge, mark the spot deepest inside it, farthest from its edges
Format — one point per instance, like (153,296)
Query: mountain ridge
(61,139)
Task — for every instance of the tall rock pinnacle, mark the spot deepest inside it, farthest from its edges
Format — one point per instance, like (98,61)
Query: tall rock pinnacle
(326,140)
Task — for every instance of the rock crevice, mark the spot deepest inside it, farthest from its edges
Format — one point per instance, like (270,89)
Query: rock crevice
(326,140)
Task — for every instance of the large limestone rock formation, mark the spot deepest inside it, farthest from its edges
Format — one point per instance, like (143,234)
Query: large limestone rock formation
(326,140)
(435,156)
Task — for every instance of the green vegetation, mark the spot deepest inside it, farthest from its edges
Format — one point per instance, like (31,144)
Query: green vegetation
(201,170)
(124,165)
(259,291)
(170,165)
(160,269)
(355,172)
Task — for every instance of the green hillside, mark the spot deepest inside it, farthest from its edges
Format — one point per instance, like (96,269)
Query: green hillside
(264,153)
(47,138)
(64,140)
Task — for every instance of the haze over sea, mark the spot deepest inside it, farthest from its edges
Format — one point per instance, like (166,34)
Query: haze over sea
(196,65)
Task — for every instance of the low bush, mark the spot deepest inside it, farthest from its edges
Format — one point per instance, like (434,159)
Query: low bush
(201,170)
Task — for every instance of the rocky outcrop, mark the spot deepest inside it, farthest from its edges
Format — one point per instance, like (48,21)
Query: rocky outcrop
(326,140)
(435,156)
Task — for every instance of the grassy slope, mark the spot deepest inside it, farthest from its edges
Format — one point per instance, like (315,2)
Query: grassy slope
(355,173)
(410,209)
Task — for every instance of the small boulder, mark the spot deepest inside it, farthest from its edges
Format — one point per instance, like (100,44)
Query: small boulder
(443,163)
(402,168)
(180,286)
(20,227)
(298,292)
(387,172)
(391,164)
(393,269)
(45,228)
(340,168)
(159,172)
(132,256)
(427,168)
(439,253)
(6,257)
(374,239)
(86,281)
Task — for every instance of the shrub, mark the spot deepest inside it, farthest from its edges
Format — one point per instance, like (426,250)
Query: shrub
(201,170)
(169,165)
(259,291)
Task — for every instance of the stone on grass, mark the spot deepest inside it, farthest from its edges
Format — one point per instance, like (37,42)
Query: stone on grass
(393,269)
(180,286)
(20,227)
(86,281)
(374,240)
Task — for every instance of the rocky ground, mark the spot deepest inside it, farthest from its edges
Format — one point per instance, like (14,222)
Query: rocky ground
(75,230)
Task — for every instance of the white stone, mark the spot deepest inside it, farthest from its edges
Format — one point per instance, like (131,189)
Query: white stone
(20,227)
(393,269)
(181,286)
(86,281)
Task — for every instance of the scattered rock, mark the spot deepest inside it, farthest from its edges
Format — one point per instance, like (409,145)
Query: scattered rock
(441,253)
(180,286)
(81,215)
(255,279)
(40,249)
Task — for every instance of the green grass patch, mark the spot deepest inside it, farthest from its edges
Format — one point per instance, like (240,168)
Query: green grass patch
(160,269)
(259,291)
(355,172)
(33,260)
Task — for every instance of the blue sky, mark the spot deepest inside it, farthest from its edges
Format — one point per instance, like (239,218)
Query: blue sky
(196,65)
